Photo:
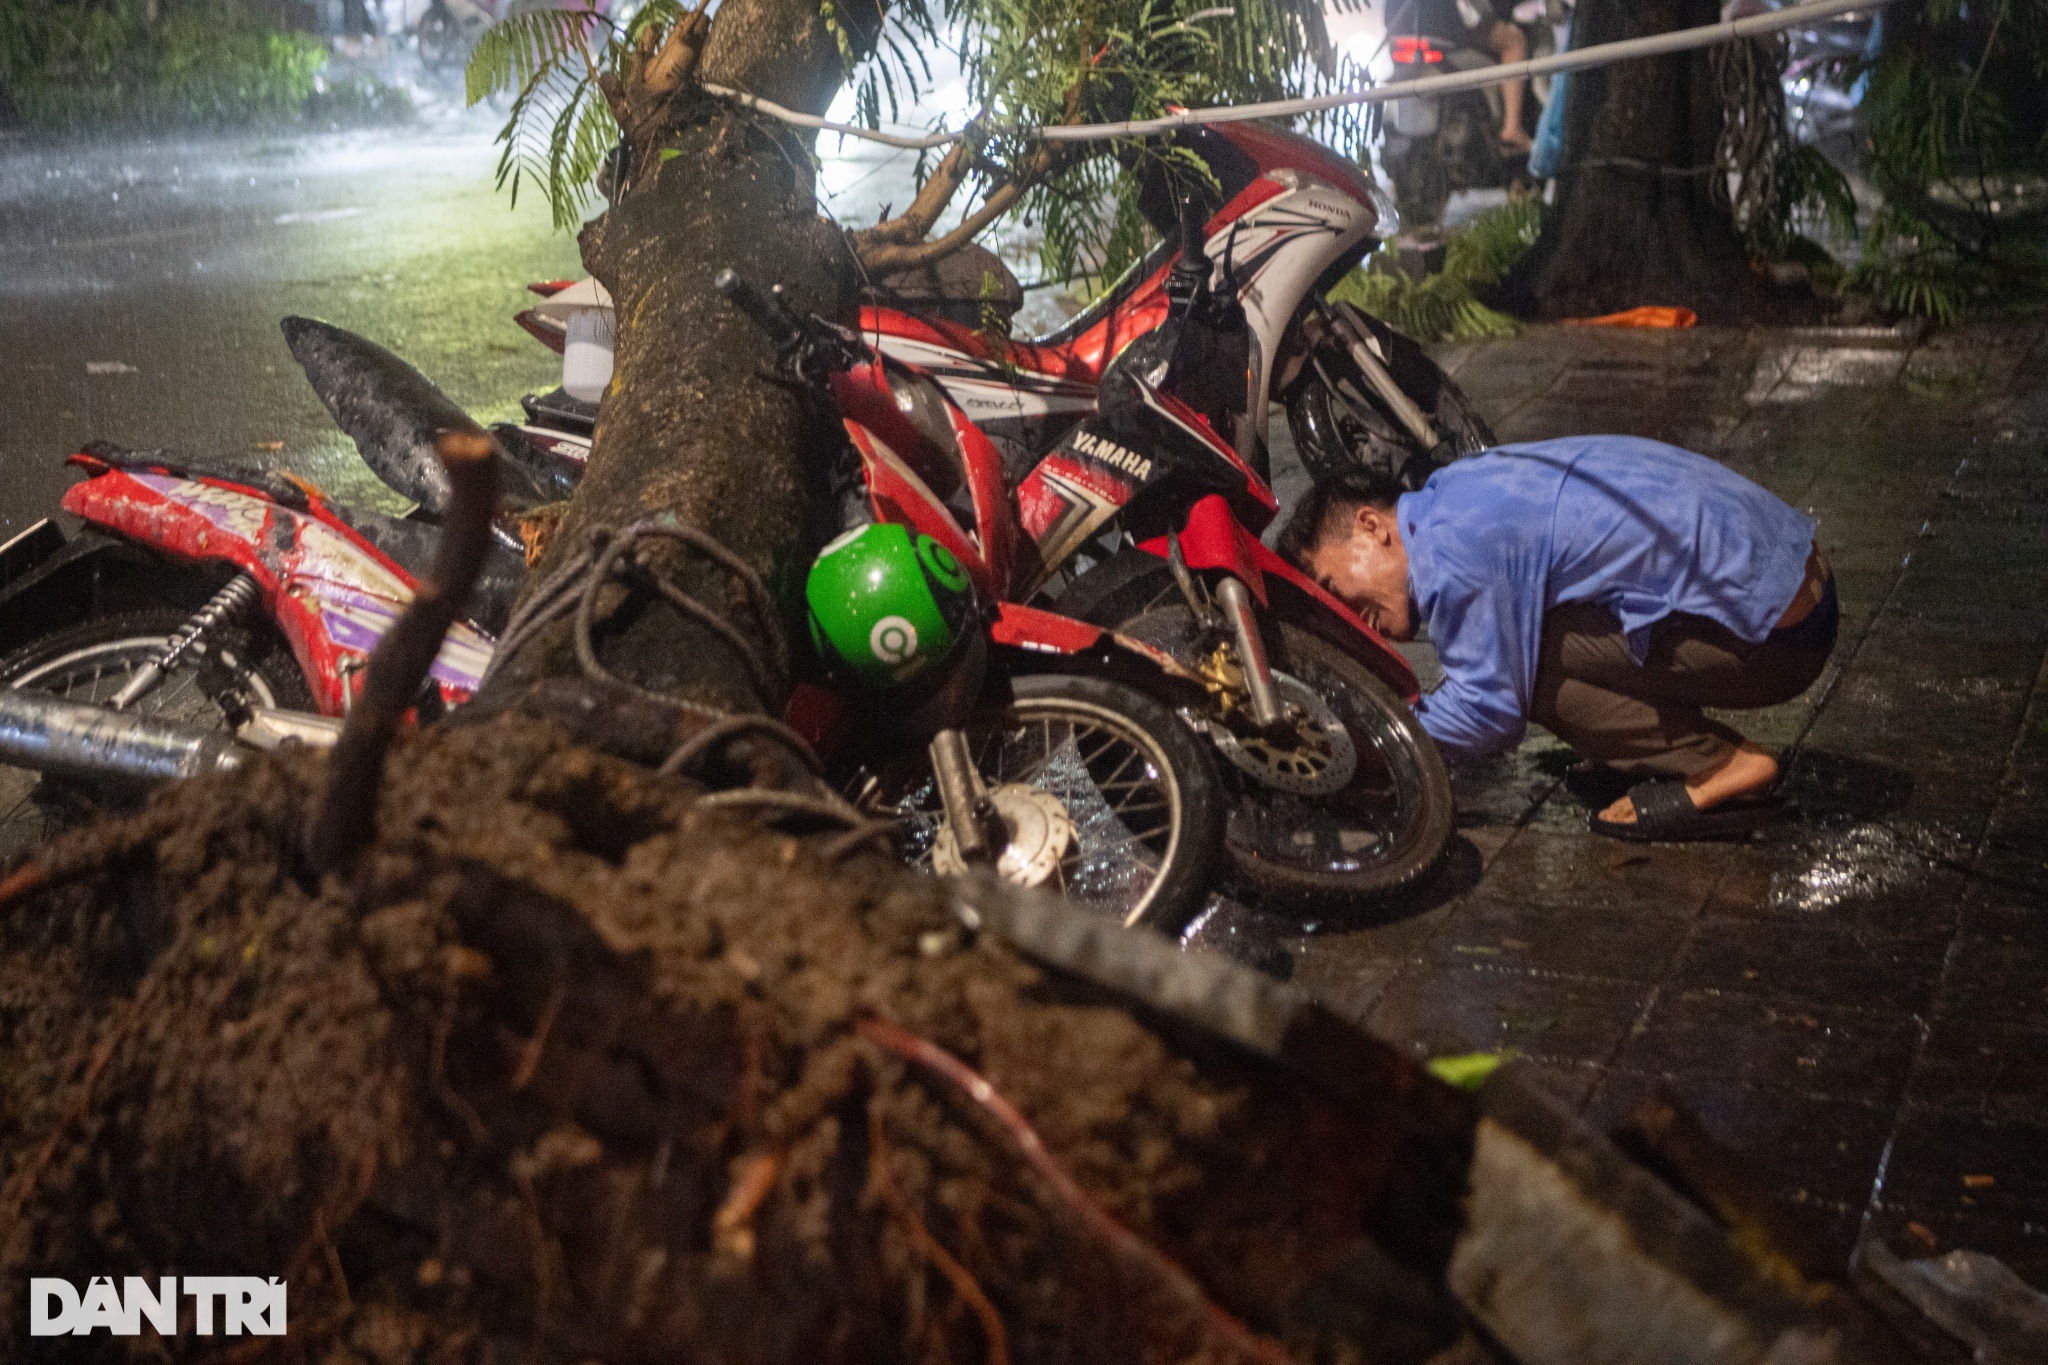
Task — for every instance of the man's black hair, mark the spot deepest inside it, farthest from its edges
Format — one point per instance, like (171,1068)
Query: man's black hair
(1327,508)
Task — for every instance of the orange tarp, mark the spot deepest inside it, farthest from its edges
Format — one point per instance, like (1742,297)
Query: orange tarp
(1648,316)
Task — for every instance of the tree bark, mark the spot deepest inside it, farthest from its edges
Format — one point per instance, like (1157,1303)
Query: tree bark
(691,426)
(1637,219)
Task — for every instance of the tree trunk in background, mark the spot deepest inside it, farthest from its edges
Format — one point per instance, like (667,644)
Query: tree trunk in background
(1637,220)
(691,426)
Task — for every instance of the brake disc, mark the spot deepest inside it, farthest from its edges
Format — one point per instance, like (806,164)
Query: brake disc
(1040,832)
(1317,759)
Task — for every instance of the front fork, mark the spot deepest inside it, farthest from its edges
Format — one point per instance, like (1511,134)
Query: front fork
(1235,600)
(977,827)
(1363,348)
(1232,602)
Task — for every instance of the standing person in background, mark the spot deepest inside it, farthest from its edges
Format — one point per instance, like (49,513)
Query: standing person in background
(1472,24)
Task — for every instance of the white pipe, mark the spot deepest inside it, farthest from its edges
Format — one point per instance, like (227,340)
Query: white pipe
(1656,45)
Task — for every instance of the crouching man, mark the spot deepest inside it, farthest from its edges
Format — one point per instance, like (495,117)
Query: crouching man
(1606,587)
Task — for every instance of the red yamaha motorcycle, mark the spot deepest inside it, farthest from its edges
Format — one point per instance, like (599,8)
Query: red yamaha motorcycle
(1333,786)
(1291,220)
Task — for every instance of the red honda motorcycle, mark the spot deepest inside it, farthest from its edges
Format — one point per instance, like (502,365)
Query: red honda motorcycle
(1291,220)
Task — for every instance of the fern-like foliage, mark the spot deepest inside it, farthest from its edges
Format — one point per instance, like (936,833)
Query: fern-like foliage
(1444,306)
(1029,64)
(1033,63)
(1955,120)
(560,127)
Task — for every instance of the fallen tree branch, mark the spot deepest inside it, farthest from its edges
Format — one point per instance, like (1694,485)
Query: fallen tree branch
(346,820)
(899,243)
(916,221)
(1134,1250)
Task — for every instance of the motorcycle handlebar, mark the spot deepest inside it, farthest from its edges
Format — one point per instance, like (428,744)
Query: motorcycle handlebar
(764,311)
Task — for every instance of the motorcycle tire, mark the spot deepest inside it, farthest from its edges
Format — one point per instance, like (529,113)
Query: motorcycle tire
(1139,790)
(1422,183)
(444,41)
(91,662)
(1352,428)
(1385,829)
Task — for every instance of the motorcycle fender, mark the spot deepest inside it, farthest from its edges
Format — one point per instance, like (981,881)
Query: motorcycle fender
(331,595)
(1114,654)
(1214,540)
(897,494)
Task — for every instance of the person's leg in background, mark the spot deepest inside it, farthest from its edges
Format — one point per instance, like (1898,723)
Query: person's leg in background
(1508,43)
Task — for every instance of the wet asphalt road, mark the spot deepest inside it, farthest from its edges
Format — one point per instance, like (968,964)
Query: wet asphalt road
(1859,1001)
(141,286)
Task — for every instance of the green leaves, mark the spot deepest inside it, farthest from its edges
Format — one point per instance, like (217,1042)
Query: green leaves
(1951,137)
(1035,63)
(1444,306)
(560,126)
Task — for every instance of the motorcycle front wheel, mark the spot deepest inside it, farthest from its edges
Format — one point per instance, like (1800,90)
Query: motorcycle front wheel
(1111,801)
(91,662)
(1357,805)
(1338,422)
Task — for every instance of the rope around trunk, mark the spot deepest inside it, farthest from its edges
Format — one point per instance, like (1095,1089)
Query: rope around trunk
(609,556)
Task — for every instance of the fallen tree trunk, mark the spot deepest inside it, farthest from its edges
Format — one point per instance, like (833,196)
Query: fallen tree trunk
(692,427)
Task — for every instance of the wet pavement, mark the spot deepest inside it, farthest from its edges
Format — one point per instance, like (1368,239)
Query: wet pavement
(1857,1000)
(141,286)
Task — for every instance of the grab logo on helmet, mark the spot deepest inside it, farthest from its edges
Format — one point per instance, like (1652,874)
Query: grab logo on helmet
(893,640)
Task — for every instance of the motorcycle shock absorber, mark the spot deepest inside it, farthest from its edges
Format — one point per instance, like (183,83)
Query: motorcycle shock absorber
(1236,600)
(234,601)
(969,813)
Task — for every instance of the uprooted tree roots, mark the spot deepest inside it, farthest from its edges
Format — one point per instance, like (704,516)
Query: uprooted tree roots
(567,1070)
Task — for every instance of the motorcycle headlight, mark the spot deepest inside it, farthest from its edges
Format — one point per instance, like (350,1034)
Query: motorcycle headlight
(923,405)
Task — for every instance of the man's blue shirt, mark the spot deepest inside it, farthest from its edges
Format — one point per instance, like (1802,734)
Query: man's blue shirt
(1643,528)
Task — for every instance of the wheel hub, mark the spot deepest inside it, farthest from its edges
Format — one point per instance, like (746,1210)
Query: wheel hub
(1040,832)
(1318,758)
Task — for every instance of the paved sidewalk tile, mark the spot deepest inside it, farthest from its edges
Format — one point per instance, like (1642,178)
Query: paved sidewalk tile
(1857,1001)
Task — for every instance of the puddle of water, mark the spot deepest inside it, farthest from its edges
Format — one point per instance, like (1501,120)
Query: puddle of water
(1808,371)
(1863,862)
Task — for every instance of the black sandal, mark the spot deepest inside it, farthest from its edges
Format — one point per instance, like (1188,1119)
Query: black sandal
(1665,814)
(1597,786)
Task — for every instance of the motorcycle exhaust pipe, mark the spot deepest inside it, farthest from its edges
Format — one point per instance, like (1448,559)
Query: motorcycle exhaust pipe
(72,739)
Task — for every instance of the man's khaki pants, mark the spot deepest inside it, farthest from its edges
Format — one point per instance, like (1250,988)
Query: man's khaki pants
(1647,717)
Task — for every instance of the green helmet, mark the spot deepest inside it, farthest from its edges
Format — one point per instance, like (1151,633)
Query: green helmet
(886,606)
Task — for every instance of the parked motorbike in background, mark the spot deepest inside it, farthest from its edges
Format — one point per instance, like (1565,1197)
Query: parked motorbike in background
(1439,144)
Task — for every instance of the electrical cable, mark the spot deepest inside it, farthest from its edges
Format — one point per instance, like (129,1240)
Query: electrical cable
(1602,54)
